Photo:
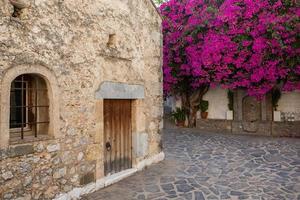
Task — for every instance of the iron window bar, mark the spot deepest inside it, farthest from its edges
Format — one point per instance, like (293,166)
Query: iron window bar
(22,110)
(25,106)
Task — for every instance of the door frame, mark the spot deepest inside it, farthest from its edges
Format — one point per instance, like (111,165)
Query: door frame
(138,125)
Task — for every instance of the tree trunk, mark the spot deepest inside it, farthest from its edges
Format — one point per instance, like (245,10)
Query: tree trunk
(186,104)
(190,102)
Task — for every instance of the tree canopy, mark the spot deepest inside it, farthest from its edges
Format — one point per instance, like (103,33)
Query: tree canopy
(249,44)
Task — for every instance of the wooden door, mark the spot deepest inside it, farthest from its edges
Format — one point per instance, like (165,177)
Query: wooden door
(117,136)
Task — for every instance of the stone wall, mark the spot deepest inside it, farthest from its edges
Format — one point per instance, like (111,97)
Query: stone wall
(286,129)
(76,46)
(266,128)
(214,125)
(263,128)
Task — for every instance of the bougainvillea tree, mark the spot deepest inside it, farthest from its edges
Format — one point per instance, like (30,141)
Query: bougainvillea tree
(249,44)
(185,26)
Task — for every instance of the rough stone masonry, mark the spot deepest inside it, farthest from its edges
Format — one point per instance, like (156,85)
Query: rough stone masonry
(76,46)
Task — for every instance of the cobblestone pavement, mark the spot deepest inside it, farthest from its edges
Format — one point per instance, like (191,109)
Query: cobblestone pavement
(215,166)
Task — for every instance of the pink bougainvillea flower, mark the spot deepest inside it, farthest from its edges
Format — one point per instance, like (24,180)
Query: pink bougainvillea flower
(249,44)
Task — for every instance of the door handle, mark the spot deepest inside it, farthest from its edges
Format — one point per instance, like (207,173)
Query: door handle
(108,146)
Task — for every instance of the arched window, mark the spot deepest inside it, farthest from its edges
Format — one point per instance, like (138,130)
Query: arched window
(29,107)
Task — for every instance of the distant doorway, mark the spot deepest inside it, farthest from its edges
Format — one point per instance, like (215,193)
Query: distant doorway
(251,114)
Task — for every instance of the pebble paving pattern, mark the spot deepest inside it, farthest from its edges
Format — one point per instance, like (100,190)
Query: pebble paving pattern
(215,166)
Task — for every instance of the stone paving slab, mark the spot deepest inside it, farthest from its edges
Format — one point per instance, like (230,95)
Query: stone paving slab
(215,166)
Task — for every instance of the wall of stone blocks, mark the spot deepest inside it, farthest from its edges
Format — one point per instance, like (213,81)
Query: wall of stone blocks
(264,128)
(214,125)
(286,129)
(80,44)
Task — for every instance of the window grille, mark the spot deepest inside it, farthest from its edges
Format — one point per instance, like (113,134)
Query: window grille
(29,106)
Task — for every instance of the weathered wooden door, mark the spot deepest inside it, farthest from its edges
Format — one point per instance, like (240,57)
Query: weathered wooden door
(117,136)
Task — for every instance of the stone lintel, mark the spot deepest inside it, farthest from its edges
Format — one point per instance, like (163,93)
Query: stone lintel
(111,90)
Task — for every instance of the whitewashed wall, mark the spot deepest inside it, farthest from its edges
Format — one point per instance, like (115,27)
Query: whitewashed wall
(290,103)
(173,102)
(218,103)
